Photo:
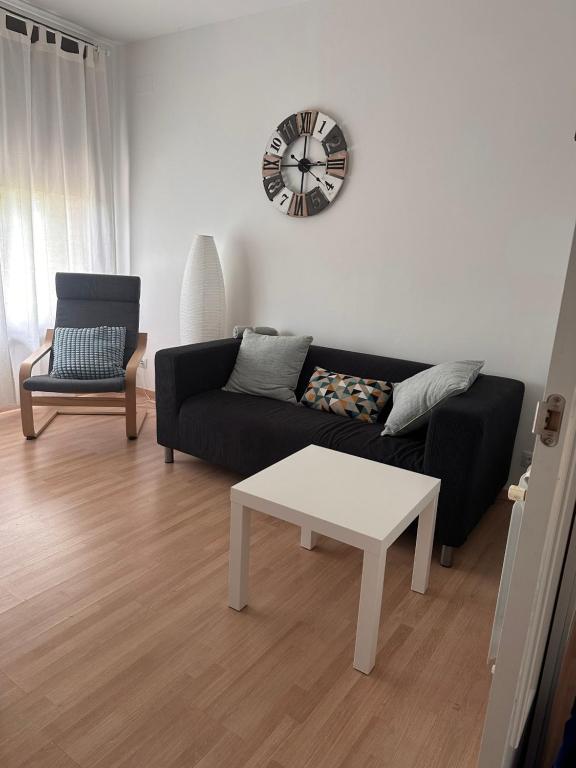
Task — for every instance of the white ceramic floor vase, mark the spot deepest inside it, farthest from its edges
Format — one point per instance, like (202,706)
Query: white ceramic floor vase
(202,300)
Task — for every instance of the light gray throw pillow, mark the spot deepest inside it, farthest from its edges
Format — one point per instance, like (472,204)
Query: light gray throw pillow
(414,398)
(268,366)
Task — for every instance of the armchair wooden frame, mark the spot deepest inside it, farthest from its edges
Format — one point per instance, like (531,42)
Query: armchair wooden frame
(112,405)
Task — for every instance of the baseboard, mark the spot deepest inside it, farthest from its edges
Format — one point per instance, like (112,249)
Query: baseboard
(149,393)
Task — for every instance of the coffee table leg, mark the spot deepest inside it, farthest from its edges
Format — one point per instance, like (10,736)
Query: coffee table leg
(369,610)
(239,556)
(308,539)
(424,542)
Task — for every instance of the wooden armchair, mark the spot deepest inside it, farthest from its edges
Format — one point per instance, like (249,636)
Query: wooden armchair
(86,301)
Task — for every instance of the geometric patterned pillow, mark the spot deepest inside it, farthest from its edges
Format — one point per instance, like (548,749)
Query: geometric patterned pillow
(352,396)
(88,353)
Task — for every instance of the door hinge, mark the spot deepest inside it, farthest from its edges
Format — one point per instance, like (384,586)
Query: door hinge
(548,419)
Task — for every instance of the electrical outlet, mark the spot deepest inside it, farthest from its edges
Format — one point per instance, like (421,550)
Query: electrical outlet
(525,460)
(143,363)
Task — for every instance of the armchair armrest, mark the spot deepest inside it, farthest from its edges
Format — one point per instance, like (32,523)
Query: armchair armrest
(185,371)
(134,362)
(27,365)
(469,446)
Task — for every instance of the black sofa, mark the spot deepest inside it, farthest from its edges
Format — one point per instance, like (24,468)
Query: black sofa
(467,444)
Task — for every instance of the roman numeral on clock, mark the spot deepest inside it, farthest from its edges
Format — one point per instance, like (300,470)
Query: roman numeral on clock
(306,122)
(298,206)
(336,164)
(271,165)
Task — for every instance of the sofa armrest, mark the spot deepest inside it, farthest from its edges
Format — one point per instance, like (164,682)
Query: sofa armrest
(185,371)
(469,446)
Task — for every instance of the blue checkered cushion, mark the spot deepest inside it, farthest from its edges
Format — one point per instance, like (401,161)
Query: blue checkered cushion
(88,353)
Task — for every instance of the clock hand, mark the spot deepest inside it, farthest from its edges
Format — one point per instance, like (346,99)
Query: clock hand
(295,165)
(303,171)
(322,181)
(318,162)
(291,165)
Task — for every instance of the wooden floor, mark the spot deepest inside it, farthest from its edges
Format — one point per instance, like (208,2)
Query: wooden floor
(118,650)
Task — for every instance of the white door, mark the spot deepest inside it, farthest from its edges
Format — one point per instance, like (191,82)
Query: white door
(541,546)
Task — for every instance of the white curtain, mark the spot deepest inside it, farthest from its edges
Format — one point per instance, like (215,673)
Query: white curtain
(56,182)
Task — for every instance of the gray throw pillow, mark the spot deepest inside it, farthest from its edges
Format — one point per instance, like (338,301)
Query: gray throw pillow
(268,366)
(414,398)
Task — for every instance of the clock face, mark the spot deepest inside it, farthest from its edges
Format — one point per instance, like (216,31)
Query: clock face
(305,163)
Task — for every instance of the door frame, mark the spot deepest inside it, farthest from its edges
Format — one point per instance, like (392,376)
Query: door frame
(539,557)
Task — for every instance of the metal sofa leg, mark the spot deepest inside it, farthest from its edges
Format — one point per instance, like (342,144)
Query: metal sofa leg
(446,556)
(169,455)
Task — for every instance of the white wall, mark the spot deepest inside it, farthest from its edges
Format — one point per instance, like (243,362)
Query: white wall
(451,236)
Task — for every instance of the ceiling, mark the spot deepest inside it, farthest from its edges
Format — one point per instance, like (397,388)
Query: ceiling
(129,20)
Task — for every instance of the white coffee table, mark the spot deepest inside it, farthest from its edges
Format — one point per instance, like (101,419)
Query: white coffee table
(353,500)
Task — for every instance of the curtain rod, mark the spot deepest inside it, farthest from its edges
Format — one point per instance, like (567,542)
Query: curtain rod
(22,16)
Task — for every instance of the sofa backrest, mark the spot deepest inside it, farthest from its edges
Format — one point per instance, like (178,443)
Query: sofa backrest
(356,364)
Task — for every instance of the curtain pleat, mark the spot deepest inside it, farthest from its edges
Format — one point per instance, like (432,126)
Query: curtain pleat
(56,183)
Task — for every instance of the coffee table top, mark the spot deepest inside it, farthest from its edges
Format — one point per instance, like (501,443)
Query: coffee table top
(333,491)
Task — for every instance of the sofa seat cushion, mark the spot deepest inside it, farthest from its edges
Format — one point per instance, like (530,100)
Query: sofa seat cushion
(249,433)
(74,386)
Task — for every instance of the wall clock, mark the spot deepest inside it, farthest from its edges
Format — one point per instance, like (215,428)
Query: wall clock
(305,163)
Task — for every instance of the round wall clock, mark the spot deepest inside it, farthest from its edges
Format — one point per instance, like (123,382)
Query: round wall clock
(305,163)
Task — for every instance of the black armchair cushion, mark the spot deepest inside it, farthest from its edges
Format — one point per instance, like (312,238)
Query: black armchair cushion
(74,386)
(87,301)
(83,286)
